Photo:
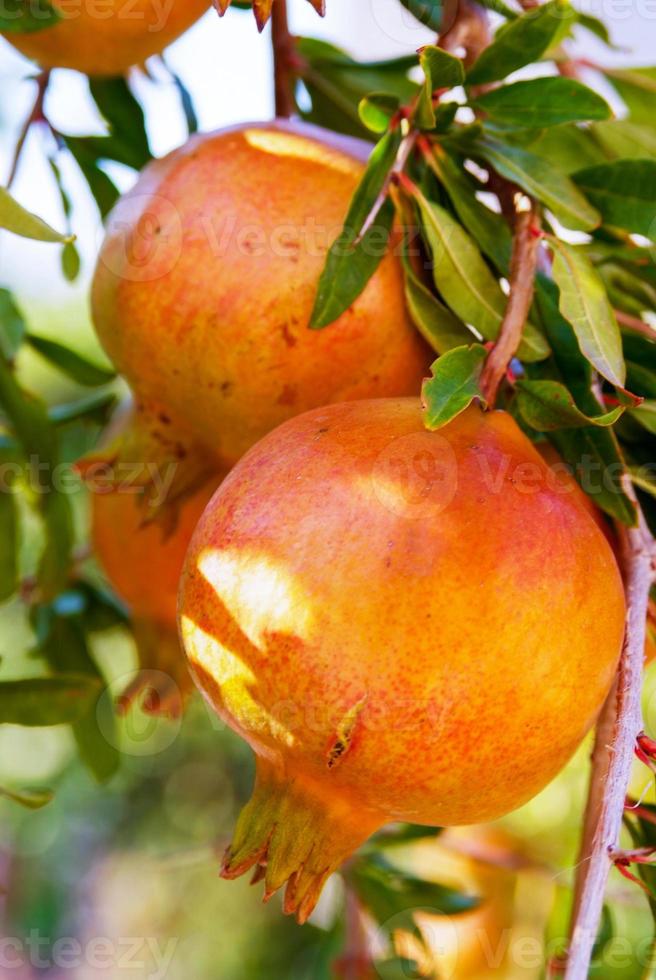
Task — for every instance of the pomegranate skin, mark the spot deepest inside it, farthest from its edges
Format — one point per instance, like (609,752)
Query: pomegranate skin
(142,558)
(124,34)
(206,281)
(404,625)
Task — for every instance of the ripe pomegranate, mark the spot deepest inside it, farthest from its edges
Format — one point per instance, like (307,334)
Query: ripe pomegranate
(107,41)
(404,625)
(142,560)
(207,277)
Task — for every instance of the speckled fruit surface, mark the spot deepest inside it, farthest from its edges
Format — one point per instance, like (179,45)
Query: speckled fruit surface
(206,281)
(404,625)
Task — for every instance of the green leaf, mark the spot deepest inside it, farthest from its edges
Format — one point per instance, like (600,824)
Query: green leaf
(70,261)
(75,366)
(349,267)
(520,43)
(95,407)
(624,191)
(186,101)
(465,281)
(125,119)
(27,16)
(592,452)
(491,232)
(377,109)
(12,326)
(637,89)
(646,414)
(32,799)
(568,148)
(435,322)
(64,645)
(14,218)
(389,892)
(542,181)
(622,139)
(104,192)
(541,102)
(584,303)
(442,71)
(595,26)
(428,12)
(548,405)
(8,540)
(351,261)
(45,701)
(454,385)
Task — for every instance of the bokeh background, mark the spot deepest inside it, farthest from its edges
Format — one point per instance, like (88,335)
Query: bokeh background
(129,871)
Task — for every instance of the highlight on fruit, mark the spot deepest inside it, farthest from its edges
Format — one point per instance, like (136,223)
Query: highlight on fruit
(327,490)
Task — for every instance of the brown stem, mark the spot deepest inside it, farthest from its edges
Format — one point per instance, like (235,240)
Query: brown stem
(355,961)
(634,323)
(612,757)
(283,60)
(36,115)
(523,265)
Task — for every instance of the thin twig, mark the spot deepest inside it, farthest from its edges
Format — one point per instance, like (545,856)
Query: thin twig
(523,265)
(36,115)
(636,324)
(283,52)
(617,730)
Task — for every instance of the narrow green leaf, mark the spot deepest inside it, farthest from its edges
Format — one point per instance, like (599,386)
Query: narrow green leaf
(436,323)
(489,229)
(569,148)
(625,140)
(442,71)
(377,109)
(32,799)
(520,43)
(542,181)
(646,414)
(45,701)
(27,16)
(124,116)
(427,12)
(541,102)
(104,191)
(584,303)
(8,540)
(72,364)
(637,89)
(453,386)
(465,281)
(548,405)
(624,191)
(14,218)
(351,261)
(70,261)
(186,101)
(93,407)
(595,26)
(12,326)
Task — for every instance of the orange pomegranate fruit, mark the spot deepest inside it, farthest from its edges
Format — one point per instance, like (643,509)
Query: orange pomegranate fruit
(207,277)
(403,624)
(142,558)
(110,38)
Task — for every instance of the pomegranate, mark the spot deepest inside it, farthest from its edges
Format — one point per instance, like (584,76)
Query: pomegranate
(206,281)
(142,559)
(109,40)
(403,624)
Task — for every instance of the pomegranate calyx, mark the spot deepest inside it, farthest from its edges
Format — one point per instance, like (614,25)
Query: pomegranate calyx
(292,833)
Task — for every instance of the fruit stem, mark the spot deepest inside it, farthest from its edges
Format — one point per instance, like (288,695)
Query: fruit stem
(36,115)
(523,266)
(283,60)
(617,731)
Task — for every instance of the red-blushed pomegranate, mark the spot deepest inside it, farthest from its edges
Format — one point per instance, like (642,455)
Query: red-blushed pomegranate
(142,558)
(403,624)
(207,278)
(110,37)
